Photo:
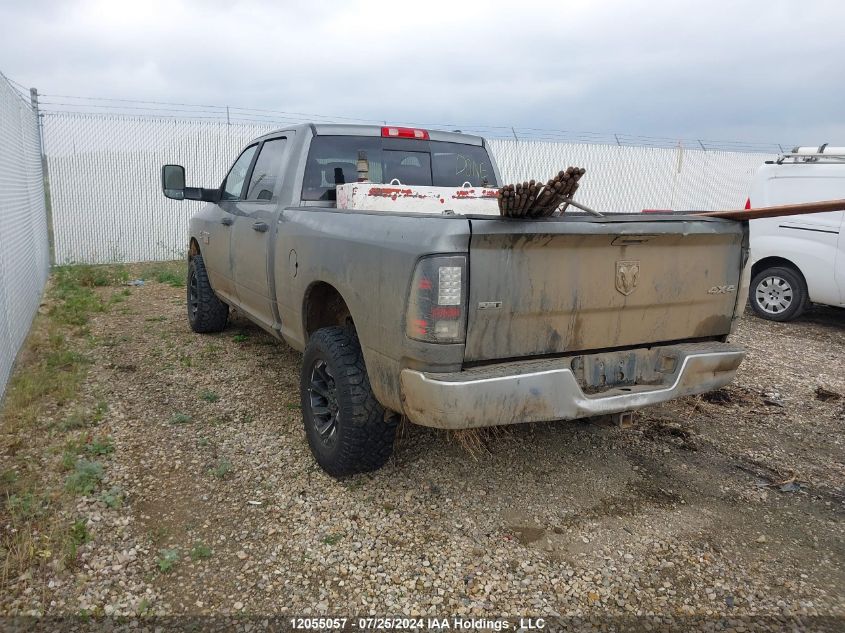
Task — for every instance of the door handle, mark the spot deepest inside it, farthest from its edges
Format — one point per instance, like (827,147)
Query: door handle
(261,227)
(226,221)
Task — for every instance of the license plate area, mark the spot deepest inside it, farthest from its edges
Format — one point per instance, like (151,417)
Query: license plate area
(599,372)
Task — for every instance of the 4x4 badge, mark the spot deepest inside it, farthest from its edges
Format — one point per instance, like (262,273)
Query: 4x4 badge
(627,276)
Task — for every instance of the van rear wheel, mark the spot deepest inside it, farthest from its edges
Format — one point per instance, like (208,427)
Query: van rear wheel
(778,294)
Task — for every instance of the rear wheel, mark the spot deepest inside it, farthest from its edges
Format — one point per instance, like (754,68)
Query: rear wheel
(347,428)
(778,294)
(206,313)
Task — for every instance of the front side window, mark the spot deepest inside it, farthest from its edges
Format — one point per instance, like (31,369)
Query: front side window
(267,170)
(234,184)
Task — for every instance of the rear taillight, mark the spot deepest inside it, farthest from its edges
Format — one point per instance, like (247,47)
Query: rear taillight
(747,204)
(404,132)
(437,301)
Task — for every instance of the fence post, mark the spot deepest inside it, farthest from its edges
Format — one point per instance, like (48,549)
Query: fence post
(45,176)
(33,98)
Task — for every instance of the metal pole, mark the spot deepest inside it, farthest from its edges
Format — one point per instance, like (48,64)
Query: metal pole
(33,98)
(228,122)
(45,174)
(515,137)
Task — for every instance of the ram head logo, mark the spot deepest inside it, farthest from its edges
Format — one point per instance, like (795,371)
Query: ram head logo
(627,276)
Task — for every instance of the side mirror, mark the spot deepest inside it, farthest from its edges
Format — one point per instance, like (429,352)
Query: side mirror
(173,181)
(173,186)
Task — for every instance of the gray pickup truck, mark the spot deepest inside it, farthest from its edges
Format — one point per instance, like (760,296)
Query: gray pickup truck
(455,321)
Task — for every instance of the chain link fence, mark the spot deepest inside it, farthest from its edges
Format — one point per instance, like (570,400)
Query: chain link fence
(628,179)
(24,250)
(107,205)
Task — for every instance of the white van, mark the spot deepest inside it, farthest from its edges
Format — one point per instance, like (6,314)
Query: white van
(798,260)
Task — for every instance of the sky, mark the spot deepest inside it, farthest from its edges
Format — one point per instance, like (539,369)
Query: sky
(771,71)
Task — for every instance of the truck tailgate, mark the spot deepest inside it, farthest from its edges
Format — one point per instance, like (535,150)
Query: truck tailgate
(574,284)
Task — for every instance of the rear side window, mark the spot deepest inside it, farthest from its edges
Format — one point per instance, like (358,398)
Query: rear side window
(267,170)
(332,161)
(237,175)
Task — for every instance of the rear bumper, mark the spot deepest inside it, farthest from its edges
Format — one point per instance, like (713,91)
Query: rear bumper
(535,391)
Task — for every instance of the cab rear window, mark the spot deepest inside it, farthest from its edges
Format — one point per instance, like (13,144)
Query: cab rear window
(333,160)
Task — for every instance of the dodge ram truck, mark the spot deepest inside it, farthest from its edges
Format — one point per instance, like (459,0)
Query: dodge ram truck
(454,320)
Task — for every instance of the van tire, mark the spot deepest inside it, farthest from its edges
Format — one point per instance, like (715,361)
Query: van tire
(206,313)
(346,427)
(778,293)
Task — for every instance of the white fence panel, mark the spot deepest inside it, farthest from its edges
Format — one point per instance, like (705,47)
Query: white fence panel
(108,207)
(627,179)
(105,182)
(24,250)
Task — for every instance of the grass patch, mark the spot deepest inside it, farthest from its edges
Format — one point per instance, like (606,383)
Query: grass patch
(76,419)
(99,446)
(75,536)
(171,273)
(332,539)
(241,337)
(113,497)
(180,418)
(170,278)
(26,506)
(99,411)
(144,607)
(209,396)
(200,551)
(92,276)
(85,478)
(222,468)
(45,466)
(167,559)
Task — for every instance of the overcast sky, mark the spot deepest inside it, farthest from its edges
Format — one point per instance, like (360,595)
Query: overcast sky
(766,71)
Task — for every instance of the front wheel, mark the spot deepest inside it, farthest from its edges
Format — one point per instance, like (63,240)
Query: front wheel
(206,313)
(778,294)
(347,428)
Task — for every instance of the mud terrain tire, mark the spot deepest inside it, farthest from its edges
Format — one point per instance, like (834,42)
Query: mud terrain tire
(347,428)
(206,313)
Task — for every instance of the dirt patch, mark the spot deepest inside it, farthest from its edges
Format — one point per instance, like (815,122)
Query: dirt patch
(682,514)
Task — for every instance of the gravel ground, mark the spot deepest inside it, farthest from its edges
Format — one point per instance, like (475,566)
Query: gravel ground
(726,505)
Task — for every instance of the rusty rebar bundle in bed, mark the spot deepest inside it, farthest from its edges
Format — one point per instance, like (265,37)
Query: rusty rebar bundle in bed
(532,200)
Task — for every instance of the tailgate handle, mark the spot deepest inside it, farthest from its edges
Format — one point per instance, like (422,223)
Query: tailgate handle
(226,221)
(631,239)
(260,227)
